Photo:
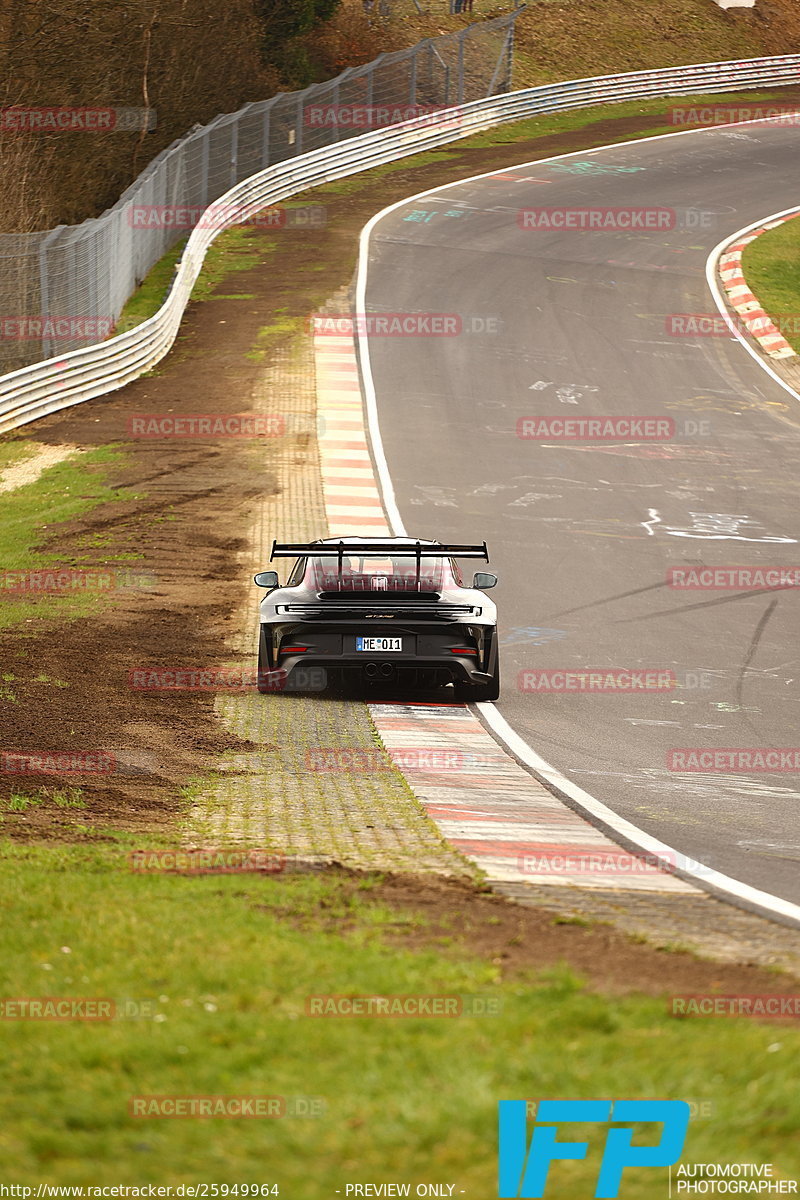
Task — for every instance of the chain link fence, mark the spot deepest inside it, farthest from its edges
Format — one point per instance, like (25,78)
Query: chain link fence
(64,288)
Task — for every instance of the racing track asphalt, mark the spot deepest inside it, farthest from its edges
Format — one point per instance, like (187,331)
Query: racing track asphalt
(582,533)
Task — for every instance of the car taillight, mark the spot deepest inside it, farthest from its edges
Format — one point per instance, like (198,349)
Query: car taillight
(293,649)
(462,650)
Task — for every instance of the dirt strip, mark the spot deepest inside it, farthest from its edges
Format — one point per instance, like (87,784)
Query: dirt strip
(275,798)
(190,519)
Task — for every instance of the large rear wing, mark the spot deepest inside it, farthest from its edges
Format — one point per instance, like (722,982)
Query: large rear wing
(415,550)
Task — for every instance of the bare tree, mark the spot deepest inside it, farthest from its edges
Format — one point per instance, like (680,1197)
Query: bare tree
(184,61)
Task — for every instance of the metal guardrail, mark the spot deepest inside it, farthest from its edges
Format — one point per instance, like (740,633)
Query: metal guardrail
(58,284)
(54,384)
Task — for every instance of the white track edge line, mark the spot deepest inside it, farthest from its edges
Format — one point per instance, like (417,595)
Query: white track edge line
(598,813)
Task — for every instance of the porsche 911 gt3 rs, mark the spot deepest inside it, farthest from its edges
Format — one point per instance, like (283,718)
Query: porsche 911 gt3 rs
(380,610)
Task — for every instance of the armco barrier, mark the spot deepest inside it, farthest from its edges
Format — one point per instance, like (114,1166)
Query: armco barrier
(56,283)
(49,386)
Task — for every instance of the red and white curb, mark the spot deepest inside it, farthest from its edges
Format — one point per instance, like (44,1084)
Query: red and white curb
(498,815)
(352,503)
(481,799)
(744,303)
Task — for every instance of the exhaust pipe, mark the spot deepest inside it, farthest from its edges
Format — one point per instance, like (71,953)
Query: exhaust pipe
(387,670)
(371,670)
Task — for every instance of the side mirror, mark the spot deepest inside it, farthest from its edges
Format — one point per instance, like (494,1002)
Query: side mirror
(483,580)
(267,579)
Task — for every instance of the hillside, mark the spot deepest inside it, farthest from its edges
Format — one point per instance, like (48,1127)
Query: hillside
(563,39)
(188,63)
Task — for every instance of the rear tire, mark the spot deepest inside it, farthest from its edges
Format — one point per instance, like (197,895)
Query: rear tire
(263,672)
(472,693)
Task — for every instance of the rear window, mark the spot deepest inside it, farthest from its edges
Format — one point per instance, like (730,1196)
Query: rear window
(374,573)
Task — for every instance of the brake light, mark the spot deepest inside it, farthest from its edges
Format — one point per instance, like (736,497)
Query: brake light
(293,649)
(462,650)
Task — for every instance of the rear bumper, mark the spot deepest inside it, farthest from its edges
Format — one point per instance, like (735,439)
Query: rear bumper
(432,653)
(386,667)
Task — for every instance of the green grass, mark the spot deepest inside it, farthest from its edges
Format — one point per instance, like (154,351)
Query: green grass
(152,293)
(30,514)
(15,451)
(236,250)
(545,125)
(243,247)
(772,266)
(406,1099)
(21,801)
(31,520)
(352,183)
(580,118)
(270,336)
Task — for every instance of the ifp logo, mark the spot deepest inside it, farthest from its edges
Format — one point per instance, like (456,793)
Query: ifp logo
(523,1169)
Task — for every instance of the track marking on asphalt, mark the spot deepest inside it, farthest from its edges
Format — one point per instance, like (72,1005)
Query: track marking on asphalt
(625,832)
(483,802)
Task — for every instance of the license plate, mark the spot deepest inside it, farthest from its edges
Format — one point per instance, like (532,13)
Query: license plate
(379,645)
